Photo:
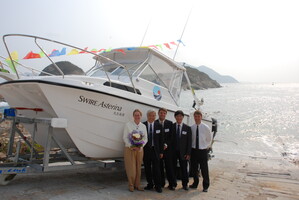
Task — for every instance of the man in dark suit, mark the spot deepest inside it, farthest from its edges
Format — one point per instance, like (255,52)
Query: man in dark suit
(166,162)
(153,152)
(182,146)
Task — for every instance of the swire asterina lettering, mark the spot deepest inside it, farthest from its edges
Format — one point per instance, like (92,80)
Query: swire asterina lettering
(102,104)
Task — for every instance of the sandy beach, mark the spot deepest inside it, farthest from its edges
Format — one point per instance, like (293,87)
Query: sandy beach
(232,177)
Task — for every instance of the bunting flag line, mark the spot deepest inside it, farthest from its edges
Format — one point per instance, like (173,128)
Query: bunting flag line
(55,52)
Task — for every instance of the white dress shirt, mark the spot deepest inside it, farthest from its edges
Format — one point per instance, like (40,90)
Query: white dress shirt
(204,136)
(129,128)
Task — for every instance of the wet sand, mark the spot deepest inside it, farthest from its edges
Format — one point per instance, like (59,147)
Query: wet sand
(232,177)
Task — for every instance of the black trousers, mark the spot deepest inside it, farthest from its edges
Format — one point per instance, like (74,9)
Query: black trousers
(166,164)
(152,168)
(183,167)
(200,157)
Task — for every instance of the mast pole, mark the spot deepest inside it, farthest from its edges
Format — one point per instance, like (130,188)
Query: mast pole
(145,32)
(182,33)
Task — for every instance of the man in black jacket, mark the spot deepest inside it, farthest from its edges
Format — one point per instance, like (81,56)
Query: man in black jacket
(153,152)
(167,160)
(182,146)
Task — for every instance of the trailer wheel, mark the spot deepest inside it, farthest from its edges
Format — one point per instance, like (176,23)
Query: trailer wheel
(6,178)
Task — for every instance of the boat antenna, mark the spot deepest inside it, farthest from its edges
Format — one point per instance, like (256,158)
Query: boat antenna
(180,40)
(145,32)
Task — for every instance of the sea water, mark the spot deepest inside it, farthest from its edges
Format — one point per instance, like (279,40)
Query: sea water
(253,119)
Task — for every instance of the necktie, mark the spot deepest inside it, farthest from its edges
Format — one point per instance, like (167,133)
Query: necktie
(162,124)
(151,135)
(197,138)
(178,138)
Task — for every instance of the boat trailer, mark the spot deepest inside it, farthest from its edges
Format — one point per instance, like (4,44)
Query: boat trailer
(49,159)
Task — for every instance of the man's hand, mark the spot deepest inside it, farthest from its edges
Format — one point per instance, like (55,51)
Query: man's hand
(187,157)
(161,155)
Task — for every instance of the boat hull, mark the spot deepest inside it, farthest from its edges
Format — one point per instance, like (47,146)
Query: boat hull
(96,119)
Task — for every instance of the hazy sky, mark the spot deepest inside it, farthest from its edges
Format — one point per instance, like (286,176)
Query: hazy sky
(252,40)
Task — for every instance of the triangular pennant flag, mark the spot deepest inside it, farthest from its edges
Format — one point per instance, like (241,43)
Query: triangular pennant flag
(101,50)
(42,54)
(63,51)
(54,53)
(108,50)
(159,45)
(32,55)
(131,48)
(154,46)
(120,50)
(167,45)
(84,51)
(73,52)
(173,43)
(180,41)
(94,51)
(15,56)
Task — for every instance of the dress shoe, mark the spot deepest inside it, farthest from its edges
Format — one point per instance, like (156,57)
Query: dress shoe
(171,187)
(205,190)
(159,190)
(185,188)
(148,187)
(193,186)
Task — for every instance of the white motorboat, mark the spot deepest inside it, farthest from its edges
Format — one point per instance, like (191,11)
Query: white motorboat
(98,104)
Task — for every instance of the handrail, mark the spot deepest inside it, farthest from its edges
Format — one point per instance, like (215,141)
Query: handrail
(61,72)
(61,43)
(29,68)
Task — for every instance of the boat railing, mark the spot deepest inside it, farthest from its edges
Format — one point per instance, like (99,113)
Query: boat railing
(26,67)
(36,38)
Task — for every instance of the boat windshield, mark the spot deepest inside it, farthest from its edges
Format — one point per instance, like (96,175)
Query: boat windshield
(141,63)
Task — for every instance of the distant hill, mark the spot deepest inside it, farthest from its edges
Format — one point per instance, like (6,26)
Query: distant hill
(65,66)
(198,79)
(216,76)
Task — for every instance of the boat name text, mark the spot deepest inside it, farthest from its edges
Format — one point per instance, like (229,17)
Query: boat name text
(102,104)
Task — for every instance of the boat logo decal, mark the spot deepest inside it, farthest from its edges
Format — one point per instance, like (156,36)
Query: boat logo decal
(157,93)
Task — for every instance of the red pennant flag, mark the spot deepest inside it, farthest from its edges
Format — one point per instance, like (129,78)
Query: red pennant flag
(120,50)
(84,51)
(32,55)
(94,51)
(167,45)
(101,50)
(173,43)
(154,46)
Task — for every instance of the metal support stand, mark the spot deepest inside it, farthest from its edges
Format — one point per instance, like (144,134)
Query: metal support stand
(35,162)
